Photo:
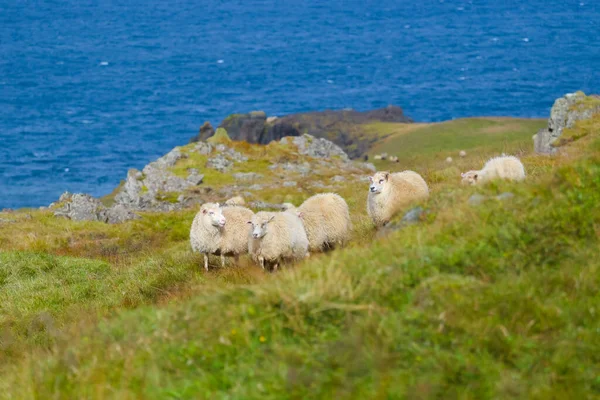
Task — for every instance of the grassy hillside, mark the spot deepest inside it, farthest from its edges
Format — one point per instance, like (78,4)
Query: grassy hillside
(497,300)
(418,143)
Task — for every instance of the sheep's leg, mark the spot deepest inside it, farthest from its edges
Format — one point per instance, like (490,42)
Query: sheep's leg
(307,254)
(275,266)
(261,261)
(236,257)
(222,260)
(206,261)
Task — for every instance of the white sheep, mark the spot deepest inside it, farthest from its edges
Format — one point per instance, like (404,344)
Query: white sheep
(394,159)
(505,167)
(326,219)
(377,157)
(390,193)
(220,231)
(275,237)
(449,159)
(462,153)
(236,201)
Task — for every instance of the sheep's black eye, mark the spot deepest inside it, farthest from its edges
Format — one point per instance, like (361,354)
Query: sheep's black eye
(211,213)
(381,181)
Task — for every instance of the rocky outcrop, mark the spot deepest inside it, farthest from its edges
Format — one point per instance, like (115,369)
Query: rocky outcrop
(83,207)
(315,147)
(565,112)
(342,127)
(147,189)
(177,180)
(206,131)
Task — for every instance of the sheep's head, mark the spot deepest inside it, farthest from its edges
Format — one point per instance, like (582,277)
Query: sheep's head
(212,213)
(470,177)
(260,222)
(378,181)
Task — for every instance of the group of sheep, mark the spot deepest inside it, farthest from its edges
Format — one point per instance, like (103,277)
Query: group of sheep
(384,156)
(322,222)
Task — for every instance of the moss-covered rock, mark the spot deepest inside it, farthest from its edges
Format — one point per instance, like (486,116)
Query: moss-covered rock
(220,136)
(565,115)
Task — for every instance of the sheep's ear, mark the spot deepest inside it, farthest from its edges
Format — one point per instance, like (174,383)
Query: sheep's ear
(475,176)
(300,214)
(387,175)
(271,219)
(371,179)
(462,175)
(204,211)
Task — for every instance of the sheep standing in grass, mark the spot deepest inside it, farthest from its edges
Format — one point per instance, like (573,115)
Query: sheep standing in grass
(390,193)
(326,220)
(220,231)
(505,167)
(275,237)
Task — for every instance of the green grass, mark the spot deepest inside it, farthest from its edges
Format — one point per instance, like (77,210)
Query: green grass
(424,141)
(494,301)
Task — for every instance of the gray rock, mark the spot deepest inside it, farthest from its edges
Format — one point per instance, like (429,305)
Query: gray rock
(476,199)
(66,196)
(338,178)
(290,183)
(203,148)
(80,207)
(564,114)
(255,187)
(118,214)
(194,178)
(219,162)
(247,176)
(169,159)
(412,216)
(505,196)
(316,147)
(370,167)
(303,168)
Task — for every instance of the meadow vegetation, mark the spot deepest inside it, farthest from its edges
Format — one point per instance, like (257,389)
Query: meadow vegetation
(497,300)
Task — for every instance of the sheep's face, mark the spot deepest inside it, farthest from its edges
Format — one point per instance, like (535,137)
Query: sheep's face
(260,225)
(378,181)
(470,177)
(213,214)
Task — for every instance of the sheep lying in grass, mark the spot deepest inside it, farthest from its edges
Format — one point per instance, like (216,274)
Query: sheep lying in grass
(390,193)
(462,153)
(326,220)
(220,231)
(275,237)
(505,167)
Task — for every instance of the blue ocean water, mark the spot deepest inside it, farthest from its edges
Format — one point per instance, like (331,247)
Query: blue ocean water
(89,89)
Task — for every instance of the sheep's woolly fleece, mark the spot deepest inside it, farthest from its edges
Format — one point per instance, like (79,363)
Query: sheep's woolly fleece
(391,193)
(505,167)
(326,220)
(283,237)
